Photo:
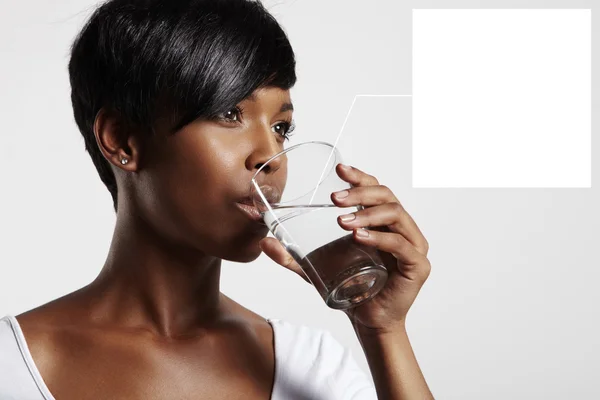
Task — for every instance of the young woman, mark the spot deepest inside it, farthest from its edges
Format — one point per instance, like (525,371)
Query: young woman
(179,103)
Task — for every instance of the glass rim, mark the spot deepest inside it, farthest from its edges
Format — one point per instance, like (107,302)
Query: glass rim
(332,146)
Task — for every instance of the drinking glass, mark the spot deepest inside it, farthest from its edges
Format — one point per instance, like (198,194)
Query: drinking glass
(292,193)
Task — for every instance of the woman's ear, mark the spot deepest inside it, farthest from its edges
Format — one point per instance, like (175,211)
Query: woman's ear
(118,144)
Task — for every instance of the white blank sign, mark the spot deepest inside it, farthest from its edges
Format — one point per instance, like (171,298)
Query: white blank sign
(501,98)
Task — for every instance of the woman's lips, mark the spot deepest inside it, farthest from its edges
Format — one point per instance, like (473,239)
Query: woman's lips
(250,211)
(248,204)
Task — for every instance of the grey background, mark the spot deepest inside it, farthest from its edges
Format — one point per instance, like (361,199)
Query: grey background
(510,308)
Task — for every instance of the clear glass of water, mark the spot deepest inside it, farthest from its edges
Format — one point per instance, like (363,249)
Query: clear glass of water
(292,191)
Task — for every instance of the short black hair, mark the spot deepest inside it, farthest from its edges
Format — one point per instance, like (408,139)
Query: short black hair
(180,59)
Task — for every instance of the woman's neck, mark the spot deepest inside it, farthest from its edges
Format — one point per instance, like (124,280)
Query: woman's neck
(150,283)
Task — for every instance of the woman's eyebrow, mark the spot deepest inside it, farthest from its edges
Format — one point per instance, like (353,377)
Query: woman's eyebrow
(287,107)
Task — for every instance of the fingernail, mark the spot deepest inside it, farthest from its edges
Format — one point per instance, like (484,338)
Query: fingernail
(346,167)
(348,217)
(362,232)
(341,195)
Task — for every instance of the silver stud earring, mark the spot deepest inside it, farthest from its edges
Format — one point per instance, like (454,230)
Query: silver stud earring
(124,161)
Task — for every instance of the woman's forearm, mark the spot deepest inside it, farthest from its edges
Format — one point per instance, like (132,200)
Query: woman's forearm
(393,365)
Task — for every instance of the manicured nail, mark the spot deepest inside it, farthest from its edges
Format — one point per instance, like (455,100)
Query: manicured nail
(341,195)
(348,217)
(362,232)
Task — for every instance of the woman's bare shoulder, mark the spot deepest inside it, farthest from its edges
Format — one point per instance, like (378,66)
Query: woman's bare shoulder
(44,326)
(257,324)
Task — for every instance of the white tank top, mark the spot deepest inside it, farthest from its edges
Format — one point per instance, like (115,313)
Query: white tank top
(309,364)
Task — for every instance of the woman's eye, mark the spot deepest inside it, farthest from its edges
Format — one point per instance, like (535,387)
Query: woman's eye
(232,115)
(284,129)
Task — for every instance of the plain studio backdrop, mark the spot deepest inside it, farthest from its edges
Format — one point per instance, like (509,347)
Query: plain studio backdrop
(511,307)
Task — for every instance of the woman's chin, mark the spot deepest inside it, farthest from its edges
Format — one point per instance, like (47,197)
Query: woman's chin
(247,250)
(246,257)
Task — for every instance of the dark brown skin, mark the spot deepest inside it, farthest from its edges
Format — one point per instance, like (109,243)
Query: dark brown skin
(154,324)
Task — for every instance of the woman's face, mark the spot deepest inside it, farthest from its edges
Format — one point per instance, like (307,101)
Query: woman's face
(190,181)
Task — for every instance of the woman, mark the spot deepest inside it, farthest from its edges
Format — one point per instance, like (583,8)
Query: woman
(179,102)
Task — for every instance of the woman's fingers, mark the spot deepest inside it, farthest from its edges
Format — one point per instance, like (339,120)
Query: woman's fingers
(413,264)
(275,250)
(355,176)
(390,215)
(364,195)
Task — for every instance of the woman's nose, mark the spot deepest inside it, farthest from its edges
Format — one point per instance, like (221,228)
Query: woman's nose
(268,147)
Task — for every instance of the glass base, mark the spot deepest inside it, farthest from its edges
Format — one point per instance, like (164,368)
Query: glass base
(363,283)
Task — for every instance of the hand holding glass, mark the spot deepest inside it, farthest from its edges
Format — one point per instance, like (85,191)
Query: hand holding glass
(292,192)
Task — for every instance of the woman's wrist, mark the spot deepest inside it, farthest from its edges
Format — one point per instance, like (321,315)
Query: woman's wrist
(395,370)
(380,333)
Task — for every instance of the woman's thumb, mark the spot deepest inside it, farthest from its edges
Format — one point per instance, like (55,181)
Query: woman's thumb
(276,252)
